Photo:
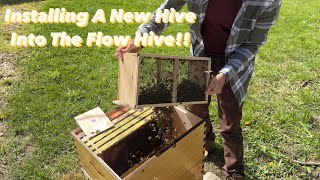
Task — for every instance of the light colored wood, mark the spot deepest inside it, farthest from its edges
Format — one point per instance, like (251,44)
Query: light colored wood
(117,112)
(138,80)
(208,75)
(85,174)
(179,126)
(121,127)
(106,133)
(123,116)
(128,78)
(197,170)
(195,173)
(112,115)
(183,119)
(118,103)
(187,117)
(93,122)
(175,161)
(181,161)
(174,57)
(91,163)
(170,104)
(134,126)
(81,133)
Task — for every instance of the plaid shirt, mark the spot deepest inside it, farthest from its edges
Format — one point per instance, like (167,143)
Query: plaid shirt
(249,32)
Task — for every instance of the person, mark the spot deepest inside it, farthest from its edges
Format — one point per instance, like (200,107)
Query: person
(230,32)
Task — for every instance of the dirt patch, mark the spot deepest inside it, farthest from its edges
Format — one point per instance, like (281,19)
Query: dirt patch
(13,151)
(3,128)
(211,167)
(12,2)
(9,28)
(7,69)
(8,75)
(317,119)
(8,57)
(316,173)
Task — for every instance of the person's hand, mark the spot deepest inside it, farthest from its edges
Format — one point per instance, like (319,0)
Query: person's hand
(131,48)
(216,84)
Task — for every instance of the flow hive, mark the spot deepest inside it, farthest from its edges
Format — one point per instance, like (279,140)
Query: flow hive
(148,80)
(131,149)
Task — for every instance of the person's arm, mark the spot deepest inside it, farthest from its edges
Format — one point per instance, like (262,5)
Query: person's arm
(246,52)
(159,27)
(151,26)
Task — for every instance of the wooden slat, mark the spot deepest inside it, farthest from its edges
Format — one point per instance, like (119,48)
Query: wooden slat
(92,164)
(128,79)
(86,173)
(111,115)
(188,118)
(170,104)
(138,82)
(197,170)
(81,135)
(118,128)
(117,112)
(174,57)
(118,137)
(175,161)
(178,162)
(100,147)
(123,116)
(195,173)
(209,74)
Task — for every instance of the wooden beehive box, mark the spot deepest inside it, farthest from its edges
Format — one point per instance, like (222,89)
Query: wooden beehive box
(148,80)
(110,155)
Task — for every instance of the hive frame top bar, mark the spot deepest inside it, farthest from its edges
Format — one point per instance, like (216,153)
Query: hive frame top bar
(172,57)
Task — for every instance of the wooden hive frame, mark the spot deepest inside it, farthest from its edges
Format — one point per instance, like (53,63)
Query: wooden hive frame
(183,160)
(129,77)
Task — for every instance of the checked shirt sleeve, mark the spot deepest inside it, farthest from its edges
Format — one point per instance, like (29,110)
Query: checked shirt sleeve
(243,56)
(159,27)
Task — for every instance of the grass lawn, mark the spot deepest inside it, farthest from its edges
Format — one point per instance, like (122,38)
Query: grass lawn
(42,89)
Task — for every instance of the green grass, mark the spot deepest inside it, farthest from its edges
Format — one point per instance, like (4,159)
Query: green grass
(281,114)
